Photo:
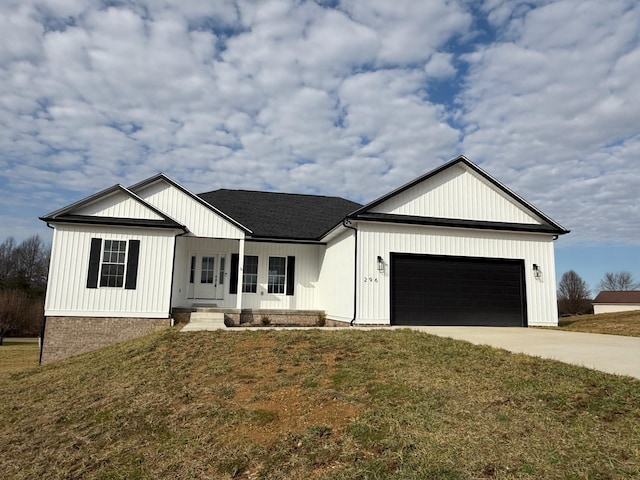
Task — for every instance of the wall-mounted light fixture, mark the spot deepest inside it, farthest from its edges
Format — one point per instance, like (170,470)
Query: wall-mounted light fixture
(537,273)
(380,264)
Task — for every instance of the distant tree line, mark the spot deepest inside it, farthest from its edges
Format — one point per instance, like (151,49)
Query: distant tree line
(574,295)
(23,281)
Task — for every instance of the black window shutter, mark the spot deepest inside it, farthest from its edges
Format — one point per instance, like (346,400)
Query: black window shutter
(94,263)
(291,275)
(233,277)
(131,279)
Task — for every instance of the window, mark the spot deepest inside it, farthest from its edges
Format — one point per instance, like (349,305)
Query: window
(113,263)
(277,275)
(206,272)
(280,278)
(250,274)
(221,276)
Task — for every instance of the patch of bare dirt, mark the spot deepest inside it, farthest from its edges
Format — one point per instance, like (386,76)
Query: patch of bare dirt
(282,403)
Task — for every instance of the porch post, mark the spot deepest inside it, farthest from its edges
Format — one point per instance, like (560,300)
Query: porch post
(240,269)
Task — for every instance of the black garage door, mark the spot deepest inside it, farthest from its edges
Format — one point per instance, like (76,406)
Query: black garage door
(446,290)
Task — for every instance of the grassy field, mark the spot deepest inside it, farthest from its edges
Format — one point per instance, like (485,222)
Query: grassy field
(621,323)
(17,355)
(316,405)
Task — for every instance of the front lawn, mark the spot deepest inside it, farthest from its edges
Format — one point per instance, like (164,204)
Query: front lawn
(310,404)
(17,355)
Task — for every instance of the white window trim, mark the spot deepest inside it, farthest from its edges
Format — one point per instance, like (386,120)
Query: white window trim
(102,263)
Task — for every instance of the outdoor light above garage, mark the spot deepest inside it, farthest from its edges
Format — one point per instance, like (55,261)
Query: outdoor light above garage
(536,271)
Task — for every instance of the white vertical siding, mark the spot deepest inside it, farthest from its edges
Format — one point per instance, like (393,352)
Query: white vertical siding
(382,240)
(336,287)
(457,193)
(200,220)
(68,295)
(118,204)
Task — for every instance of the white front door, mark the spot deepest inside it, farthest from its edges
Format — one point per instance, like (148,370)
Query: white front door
(206,276)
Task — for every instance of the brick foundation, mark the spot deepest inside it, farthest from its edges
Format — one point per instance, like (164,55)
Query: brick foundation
(68,336)
(280,318)
(253,317)
(336,323)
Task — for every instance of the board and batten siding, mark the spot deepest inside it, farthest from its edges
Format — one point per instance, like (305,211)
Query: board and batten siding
(457,193)
(335,285)
(119,205)
(201,220)
(67,292)
(382,239)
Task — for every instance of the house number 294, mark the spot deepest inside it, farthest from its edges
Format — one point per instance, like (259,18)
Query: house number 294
(369,279)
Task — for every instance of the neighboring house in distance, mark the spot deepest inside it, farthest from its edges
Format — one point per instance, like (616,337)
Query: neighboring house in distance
(452,247)
(608,302)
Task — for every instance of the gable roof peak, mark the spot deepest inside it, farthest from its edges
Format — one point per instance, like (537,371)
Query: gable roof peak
(554,227)
(162,176)
(66,214)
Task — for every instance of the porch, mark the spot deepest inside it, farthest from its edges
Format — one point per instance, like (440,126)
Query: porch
(249,317)
(247,280)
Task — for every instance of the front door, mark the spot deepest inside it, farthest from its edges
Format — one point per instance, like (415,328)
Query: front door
(206,276)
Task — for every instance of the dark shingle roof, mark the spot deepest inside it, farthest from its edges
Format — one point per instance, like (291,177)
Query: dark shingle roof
(631,296)
(281,215)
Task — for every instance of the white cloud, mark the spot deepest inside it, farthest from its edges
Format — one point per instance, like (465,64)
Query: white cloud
(410,31)
(553,112)
(439,66)
(316,97)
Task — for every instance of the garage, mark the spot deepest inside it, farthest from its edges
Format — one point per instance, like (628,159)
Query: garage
(446,290)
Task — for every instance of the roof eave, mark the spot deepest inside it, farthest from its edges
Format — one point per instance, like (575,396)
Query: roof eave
(455,223)
(114,222)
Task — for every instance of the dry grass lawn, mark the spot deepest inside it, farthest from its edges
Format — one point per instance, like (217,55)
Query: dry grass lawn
(316,405)
(17,355)
(620,323)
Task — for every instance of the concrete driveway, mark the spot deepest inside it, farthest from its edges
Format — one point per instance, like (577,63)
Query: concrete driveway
(607,353)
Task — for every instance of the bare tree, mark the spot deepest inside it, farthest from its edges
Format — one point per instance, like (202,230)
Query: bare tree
(616,282)
(24,266)
(23,280)
(32,263)
(20,314)
(573,293)
(7,261)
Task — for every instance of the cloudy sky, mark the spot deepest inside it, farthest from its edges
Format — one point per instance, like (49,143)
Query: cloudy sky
(336,97)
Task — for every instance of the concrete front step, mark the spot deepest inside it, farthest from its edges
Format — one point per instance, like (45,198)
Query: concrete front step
(204,321)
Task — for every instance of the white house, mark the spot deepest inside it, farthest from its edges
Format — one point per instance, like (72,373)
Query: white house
(453,247)
(616,301)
